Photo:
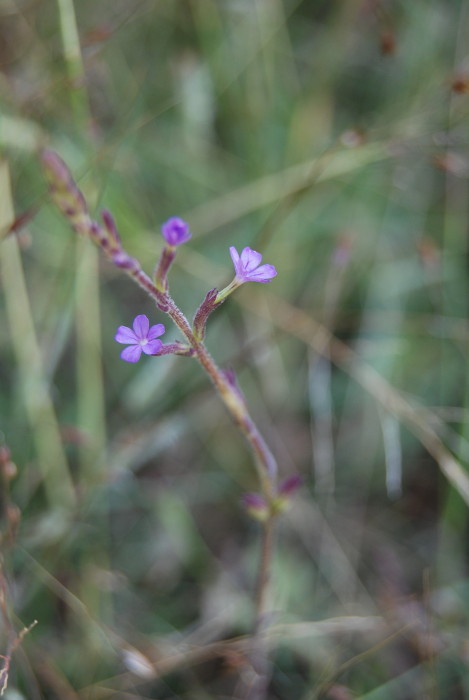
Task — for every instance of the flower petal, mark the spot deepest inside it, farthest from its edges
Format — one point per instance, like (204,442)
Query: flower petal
(152,347)
(250,259)
(132,353)
(234,256)
(156,331)
(141,325)
(264,273)
(125,335)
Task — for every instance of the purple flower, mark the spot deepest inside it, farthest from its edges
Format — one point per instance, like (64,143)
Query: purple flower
(141,339)
(248,267)
(175,231)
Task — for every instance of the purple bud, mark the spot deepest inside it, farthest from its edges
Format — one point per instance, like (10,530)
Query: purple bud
(255,504)
(290,485)
(175,231)
(110,226)
(286,489)
(253,500)
(56,170)
(230,377)
(125,261)
(98,234)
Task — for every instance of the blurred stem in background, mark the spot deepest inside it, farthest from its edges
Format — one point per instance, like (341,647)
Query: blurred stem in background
(39,409)
(452,551)
(90,391)
(31,377)
(91,415)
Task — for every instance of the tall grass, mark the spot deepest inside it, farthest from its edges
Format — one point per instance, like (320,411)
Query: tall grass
(332,136)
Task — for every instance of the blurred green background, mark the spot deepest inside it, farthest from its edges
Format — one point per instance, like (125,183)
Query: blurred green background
(333,137)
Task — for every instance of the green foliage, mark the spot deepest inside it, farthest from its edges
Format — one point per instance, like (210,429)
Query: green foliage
(328,136)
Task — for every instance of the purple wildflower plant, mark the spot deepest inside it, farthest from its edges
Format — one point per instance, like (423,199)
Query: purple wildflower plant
(175,231)
(272,499)
(140,338)
(248,266)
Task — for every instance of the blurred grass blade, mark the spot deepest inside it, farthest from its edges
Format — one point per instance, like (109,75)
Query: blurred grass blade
(90,400)
(36,397)
(320,400)
(295,321)
(392,454)
(273,188)
(91,413)
(22,134)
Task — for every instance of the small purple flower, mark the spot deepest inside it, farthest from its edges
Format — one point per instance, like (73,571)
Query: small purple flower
(248,266)
(141,339)
(175,231)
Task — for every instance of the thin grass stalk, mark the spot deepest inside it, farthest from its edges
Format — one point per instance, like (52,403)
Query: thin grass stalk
(91,412)
(90,389)
(452,551)
(32,379)
(418,420)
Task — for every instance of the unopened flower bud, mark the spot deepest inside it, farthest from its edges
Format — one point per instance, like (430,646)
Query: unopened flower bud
(289,485)
(285,491)
(175,231)
(256,506)
(65,193)
(124,261)
(111,228)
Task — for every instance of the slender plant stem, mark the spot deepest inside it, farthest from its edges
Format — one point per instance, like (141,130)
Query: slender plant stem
(234,402)
(264,574)
(267,471)
(265,461)
(72,203)
(255,685)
